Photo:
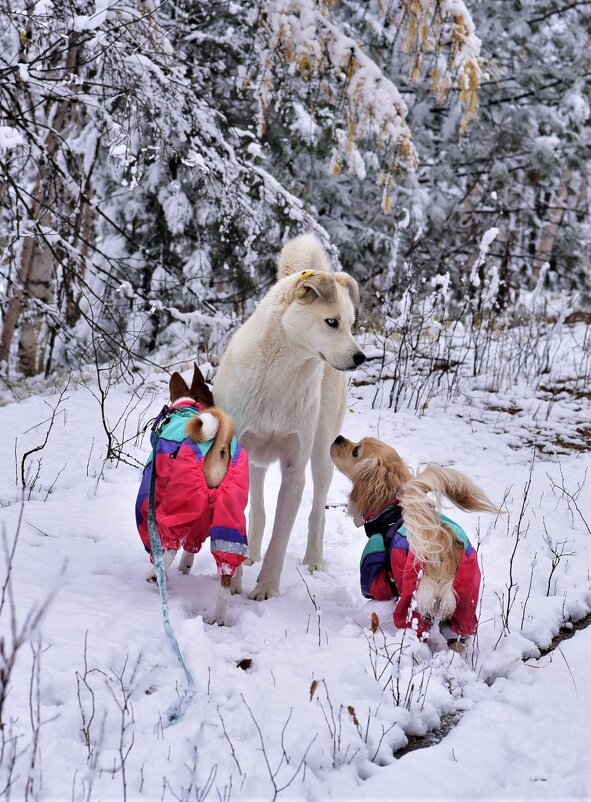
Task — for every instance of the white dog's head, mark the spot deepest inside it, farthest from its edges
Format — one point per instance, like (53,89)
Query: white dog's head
(321,314)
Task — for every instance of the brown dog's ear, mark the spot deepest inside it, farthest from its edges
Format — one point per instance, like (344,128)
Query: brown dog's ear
(178,387)
(370,486)
(199,389)
(347,281)
(312,285)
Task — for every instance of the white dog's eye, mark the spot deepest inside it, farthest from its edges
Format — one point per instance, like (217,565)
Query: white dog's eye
(355,451)
(332,322)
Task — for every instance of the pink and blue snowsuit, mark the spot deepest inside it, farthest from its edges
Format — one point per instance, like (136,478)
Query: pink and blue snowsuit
(389,570)
(187,510)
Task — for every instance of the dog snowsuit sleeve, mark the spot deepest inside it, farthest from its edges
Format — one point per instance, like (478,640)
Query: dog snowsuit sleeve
(406,571)
(374,578)
(466,586)
(228,522)
(187,510)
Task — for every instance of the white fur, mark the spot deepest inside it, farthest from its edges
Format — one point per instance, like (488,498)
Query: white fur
(210,426)
(302,253)
(167,560)
(432,600)
(221,607)
(281,381)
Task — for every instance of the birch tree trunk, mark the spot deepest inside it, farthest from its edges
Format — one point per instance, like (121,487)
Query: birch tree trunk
(35,275)
(547,237)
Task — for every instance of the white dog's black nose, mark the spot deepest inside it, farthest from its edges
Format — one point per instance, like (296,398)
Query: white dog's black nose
(338,440)
(359,358)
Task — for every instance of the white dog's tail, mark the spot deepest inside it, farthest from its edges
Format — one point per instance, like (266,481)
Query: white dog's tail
(433,543)
(217,426)
(305,252)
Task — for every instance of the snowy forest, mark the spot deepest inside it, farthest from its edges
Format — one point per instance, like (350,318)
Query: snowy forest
(154,158)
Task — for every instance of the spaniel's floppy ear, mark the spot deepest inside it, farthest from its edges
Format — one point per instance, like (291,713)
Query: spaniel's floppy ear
(371,489)
(376,482)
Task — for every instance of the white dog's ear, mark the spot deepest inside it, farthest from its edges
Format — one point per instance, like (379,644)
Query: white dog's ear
(347,281)
(312,285)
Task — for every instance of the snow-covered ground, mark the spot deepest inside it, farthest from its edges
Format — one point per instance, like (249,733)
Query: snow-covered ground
(84,716)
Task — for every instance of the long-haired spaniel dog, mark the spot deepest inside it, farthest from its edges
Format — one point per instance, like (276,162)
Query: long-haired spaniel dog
(414,553)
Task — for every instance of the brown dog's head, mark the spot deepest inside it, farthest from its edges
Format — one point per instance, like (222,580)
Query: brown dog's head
(376,470)
(211,425)
(198,391)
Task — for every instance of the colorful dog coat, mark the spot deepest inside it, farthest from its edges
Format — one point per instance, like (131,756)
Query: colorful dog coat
(389,570)
(187,510)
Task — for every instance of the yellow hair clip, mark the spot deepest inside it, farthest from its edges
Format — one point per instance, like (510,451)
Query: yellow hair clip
(307,274)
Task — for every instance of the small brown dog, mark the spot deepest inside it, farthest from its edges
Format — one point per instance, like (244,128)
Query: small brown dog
(414,553)
(200,488)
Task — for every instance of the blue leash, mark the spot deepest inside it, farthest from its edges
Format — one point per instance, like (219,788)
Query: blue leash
(176,711)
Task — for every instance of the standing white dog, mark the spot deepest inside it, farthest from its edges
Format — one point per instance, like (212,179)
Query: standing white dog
(281,380)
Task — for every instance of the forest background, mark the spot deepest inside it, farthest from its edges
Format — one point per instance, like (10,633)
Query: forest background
(154,157)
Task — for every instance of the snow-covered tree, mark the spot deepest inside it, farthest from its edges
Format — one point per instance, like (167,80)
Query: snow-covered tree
(154,157)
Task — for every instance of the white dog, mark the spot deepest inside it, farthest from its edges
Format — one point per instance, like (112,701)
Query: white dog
(281,380)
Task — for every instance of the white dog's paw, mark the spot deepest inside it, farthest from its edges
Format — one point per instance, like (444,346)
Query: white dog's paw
(264,590)
(314,563)
(252,559)
(236,586)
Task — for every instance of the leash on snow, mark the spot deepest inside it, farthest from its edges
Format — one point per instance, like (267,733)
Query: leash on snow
(177,710)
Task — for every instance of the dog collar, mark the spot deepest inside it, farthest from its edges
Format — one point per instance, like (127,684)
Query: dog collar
(186,402)
(383,520)
(185,406)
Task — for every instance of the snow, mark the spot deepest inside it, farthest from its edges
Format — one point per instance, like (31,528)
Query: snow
(90,22)
(176,207)
(42,7)
(9,138)
(107,675)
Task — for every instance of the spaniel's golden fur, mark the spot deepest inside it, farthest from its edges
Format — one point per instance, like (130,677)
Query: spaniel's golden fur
(379,475)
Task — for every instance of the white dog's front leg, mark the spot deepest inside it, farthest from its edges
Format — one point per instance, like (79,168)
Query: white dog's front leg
(288,502)
(256,516)
(322,471)
(332,411)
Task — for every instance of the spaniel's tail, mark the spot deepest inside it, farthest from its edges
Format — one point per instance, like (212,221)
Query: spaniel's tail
(435,545)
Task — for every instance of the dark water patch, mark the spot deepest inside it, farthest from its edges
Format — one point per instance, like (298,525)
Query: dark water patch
(510,409)
(566,632)
(448,722)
